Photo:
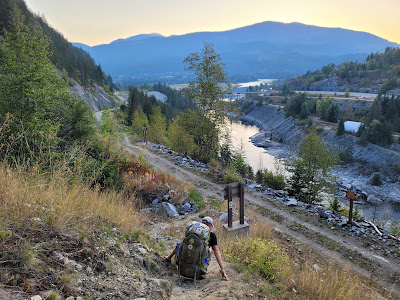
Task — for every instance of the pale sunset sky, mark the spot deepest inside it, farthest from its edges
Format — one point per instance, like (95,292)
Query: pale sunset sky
(94,22)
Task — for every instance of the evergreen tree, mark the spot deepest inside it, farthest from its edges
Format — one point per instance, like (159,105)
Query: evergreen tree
(31,90)
(340,129)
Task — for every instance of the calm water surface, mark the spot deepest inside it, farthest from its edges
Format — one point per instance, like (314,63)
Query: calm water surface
(256,157)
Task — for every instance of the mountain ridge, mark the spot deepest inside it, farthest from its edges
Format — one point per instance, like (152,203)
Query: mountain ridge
(263,50)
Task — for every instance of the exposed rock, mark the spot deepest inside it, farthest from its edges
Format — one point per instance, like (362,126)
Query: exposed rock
(36,297)
(374,200)
(291,202)
(169,209)
(96,97)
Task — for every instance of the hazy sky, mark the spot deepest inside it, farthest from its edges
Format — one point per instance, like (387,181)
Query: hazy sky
(94,22)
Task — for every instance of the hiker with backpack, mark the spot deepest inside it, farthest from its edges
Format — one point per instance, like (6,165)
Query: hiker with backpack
(193,255)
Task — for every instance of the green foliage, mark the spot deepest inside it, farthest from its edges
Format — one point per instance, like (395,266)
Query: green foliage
(180,139)
(53,296)
(334,205)
(340,129)
(327,109)
(294,105)
(188,124)
(231,175)
(376,180)
(394,228)
(207,93)
(74,62)
(274,181)
(36,107)
(157,126)
(347,93)
(345,155)
(263,257)
(139,121)
(311,171)
(356,214)
(390,84)
(259,176)
(177,101)
(196,198)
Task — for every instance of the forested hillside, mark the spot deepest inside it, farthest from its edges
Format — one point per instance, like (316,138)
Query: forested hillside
(74,62)
(379,73)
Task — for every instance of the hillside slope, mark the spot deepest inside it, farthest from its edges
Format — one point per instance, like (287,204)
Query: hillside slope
(379,73)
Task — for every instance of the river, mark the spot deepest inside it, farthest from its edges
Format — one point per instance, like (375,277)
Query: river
(258,158)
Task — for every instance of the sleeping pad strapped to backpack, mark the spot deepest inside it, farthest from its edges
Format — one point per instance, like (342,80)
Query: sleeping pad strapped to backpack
(192,256)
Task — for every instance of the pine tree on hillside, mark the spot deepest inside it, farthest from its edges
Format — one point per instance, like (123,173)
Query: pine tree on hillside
(340,129)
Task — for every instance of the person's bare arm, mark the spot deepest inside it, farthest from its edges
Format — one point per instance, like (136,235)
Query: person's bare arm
(217,254)
(169,257)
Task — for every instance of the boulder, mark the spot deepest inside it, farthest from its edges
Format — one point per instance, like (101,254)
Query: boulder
(186,207)
(323,213)
(169,209)
(224,216)
(374,200)
(291,202)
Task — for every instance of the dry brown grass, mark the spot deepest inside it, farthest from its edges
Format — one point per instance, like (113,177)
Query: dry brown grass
(62,204)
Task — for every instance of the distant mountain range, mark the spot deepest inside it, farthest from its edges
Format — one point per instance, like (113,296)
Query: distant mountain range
(263,50)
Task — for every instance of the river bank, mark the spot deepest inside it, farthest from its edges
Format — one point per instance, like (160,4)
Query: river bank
(355,176)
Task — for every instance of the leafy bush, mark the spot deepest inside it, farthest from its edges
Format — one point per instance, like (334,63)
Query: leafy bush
(276,182)
(376,180)
(263,257)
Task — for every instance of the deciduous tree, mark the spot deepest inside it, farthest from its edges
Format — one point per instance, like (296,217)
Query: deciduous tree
(207,91)
(312,169)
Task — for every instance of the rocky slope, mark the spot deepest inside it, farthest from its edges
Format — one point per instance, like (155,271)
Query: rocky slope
(96,97)
(367,160)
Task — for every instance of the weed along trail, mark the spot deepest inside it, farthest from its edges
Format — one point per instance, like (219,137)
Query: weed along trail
(301,231)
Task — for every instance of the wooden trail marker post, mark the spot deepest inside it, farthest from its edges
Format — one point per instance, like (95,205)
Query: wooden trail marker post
(352,197)
(239,227)
(144,130)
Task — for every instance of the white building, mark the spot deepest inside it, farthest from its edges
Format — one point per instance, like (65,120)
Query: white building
(352,126)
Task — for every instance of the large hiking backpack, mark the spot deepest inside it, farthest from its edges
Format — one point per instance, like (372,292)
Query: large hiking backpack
(192,255)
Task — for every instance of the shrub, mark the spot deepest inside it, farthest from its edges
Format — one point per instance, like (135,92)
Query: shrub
(276,182)
(334,205)
(356,214)
(263,257)
(395,228)
(376,180)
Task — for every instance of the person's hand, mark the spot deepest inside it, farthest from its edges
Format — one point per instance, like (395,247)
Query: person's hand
(223,274)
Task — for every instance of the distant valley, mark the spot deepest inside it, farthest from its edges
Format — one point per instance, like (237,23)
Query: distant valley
(263,50)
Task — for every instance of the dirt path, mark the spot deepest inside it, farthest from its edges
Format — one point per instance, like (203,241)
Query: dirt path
(369,263)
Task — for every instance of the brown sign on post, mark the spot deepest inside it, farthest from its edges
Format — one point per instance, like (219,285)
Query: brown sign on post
(352,197)
(235,190)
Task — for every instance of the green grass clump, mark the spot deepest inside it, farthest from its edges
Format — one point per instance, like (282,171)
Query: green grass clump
(263,257)
(196,198)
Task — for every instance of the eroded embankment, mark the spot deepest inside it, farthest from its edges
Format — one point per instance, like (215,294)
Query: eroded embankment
(366,159)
